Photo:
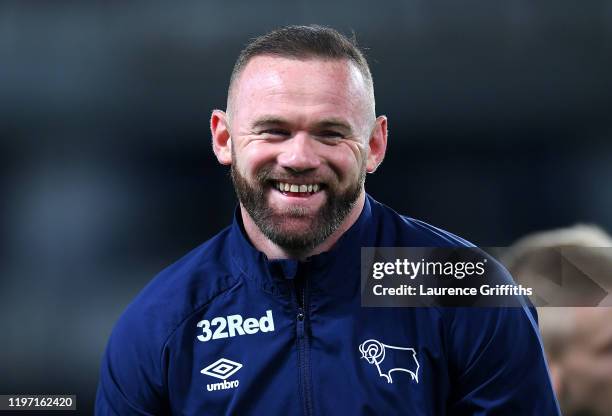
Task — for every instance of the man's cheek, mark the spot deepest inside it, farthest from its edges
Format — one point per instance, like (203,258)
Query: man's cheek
(349,164)
(354,151)
(260,153)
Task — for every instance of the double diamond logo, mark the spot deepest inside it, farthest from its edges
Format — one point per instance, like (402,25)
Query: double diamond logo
(222,368)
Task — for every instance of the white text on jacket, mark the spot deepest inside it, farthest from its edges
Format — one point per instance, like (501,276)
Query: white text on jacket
(215,328)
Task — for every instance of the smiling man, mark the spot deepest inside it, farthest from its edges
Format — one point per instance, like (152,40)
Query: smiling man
(266,318)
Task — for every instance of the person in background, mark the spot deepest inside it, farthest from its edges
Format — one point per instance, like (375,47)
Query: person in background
(577,340)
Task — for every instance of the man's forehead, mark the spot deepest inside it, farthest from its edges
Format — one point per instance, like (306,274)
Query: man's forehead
(266,71)
(341,68)
(314,80)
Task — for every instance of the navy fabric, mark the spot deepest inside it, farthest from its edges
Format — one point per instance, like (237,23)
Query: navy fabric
(320,358)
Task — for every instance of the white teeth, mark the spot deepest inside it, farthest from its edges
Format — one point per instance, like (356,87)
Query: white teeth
(287,187)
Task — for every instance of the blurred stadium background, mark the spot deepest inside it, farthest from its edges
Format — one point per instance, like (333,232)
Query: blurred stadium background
(499,117)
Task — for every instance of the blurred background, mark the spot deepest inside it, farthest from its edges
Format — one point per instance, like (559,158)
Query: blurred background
(499,117)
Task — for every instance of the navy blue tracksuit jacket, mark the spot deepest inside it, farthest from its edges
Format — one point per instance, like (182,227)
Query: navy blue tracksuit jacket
(225,331)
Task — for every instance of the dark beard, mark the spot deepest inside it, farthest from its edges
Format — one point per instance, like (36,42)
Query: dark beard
(327,220)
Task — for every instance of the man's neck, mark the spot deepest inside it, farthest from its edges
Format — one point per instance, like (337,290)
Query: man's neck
(274,251)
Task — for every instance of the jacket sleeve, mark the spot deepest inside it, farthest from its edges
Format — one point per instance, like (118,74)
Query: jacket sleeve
(497,364)
(131,375)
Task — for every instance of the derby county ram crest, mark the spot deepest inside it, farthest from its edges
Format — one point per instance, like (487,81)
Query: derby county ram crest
(388,358)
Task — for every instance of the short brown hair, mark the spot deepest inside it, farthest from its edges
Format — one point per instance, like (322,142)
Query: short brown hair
(304,42)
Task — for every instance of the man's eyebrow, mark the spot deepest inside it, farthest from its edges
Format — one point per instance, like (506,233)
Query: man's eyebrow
(330,123)
(269,120)
(327,123)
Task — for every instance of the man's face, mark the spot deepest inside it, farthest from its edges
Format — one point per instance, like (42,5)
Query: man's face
(299,142)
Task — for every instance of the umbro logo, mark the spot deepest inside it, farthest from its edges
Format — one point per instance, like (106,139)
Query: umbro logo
(222,369)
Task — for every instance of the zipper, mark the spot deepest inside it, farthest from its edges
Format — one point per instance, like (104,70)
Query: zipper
(301,286)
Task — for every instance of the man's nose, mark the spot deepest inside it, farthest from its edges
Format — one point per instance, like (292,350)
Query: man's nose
(299,153)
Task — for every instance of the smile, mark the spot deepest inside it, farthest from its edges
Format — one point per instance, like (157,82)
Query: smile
(297,188)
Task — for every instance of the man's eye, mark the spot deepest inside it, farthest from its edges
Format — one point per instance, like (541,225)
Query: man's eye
(329,134)
(275,132)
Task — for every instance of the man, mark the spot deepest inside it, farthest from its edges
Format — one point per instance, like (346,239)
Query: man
(578,341)
(265,318)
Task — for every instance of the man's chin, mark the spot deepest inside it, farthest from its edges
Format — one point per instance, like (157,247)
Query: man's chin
(299,230)
(294,224)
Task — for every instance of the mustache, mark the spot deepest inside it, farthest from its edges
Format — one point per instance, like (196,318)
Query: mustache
(268,174)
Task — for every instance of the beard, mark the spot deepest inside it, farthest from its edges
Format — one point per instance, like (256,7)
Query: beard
(272,223)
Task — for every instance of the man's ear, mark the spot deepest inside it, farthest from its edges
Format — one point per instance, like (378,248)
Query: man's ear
(377,145)
(221,138)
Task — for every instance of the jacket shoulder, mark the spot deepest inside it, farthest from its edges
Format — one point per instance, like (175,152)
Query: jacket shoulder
(178,291)
(409,231)
(133,371)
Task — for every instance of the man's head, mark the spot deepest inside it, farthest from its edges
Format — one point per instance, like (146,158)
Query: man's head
(304,43)
(299,133)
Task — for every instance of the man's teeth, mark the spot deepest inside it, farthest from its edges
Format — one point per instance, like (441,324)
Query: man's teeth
(288,187)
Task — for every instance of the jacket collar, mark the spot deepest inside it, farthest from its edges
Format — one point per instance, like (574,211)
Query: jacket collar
(327,271)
